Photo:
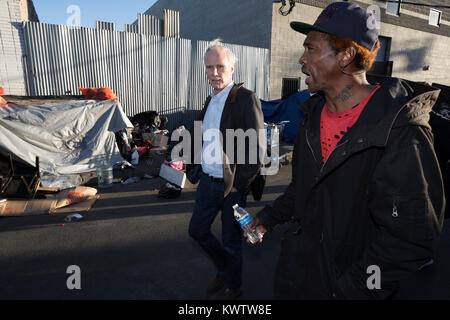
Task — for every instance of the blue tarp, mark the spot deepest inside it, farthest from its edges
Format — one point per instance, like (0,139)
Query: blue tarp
(286,109)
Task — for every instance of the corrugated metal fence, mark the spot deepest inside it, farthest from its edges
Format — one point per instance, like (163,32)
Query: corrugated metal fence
(147,72)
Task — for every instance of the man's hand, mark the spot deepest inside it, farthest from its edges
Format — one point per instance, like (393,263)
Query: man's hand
(256,223)
(233,189)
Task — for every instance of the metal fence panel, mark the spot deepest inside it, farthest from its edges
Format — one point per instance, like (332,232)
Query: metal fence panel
(105,25)
(149,25)
(171,23)
(146,71)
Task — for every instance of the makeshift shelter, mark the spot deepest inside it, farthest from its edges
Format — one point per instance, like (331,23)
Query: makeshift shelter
(69,137)
(285,109)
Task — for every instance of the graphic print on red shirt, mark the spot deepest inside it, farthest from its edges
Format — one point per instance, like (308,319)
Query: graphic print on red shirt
(333,125)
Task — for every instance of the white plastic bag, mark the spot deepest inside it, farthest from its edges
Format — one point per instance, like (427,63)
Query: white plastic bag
(135,158)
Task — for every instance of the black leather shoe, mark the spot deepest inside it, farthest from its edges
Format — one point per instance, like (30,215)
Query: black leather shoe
(216,284)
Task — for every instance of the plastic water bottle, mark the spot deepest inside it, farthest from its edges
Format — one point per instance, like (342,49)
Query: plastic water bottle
(244,218)
(104,176)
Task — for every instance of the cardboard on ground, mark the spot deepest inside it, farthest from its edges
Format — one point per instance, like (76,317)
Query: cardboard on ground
(79,198)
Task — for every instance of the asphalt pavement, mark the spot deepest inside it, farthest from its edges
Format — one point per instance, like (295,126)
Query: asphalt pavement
(134,245)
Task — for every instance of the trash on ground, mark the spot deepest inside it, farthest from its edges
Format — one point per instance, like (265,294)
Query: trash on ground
(78,207)
(131,180)
(126,164)
(72,196)
(147,132)
(135,158)
(73,217)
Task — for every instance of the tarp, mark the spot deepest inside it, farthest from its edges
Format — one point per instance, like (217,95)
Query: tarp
(285,109)
(70,137)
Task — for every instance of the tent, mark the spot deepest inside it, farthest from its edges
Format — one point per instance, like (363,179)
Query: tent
(286,109)
(69,137)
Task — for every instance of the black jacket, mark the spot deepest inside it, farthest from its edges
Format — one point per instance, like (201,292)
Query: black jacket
(377,200)
(440,126)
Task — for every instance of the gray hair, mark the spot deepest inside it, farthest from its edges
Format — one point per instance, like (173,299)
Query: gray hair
(217,44)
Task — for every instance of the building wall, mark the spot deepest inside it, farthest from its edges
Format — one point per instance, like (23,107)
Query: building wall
(411,50)
(411,16)
(27,11)
(234,21)
(12,77)
(287,46)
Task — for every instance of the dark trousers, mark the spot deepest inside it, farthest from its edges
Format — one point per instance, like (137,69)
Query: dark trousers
(227,257)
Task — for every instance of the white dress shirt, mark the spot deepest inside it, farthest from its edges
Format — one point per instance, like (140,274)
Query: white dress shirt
(212,147)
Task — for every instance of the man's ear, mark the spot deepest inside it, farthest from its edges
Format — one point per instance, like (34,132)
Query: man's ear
(347,56)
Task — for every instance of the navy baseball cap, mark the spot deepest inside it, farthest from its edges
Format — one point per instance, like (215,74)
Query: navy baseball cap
(346,20)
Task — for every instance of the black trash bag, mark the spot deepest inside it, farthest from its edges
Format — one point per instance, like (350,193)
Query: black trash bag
(164,121)
(169,191)
(149,119)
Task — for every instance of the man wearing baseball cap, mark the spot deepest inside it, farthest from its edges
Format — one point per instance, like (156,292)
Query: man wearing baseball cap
(366,198)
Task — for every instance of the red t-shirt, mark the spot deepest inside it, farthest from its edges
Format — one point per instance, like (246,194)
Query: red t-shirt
(333,125)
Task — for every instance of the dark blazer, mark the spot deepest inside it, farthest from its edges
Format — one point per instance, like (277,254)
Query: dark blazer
(247,106)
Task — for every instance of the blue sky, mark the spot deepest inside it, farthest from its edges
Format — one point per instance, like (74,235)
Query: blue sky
(118,11)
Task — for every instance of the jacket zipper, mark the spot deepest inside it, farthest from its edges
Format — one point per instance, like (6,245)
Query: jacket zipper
(314,155)
(310,148)
(394,209)
(337,146)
